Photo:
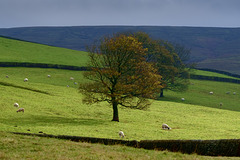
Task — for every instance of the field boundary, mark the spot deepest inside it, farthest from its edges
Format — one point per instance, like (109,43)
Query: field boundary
(213,78)
(42,65)
(222,147)
(84,68)
(221,72)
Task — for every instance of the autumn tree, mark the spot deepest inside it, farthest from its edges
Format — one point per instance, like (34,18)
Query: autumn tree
(120,74)
(168,59)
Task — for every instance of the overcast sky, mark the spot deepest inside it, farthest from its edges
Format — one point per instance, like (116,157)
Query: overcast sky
(206,13)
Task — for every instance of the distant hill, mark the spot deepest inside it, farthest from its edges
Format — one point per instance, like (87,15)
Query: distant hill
(214,48)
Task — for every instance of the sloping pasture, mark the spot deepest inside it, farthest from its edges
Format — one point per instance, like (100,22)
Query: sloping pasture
(54,108)
(20,51)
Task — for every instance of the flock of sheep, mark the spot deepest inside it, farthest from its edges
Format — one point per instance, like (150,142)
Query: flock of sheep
(49,76)
(26,80)
(20,109)
(121,133)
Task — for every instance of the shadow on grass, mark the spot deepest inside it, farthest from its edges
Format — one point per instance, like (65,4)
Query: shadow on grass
(21,87)
(39,120)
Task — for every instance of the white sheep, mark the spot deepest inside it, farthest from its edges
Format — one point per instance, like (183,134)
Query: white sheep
(48,76)
(20,110)
(234,93)
(71,78)
(165,126)
(16,105)
(7,76)
(26,79)
(183,99)
(220,104)
(211,92)
(75,83)
(121,134)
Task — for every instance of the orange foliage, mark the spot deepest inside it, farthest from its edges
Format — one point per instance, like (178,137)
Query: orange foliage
(120,74)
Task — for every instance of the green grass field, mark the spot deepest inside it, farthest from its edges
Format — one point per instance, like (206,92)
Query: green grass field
(58,110)
(198,93)
(206,73)
(19,51)
(53,108)
(27,147)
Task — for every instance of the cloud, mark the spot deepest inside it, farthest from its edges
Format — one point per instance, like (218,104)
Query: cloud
(119,12)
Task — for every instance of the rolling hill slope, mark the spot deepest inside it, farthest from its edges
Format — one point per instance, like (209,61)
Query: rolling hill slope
(215,48)
(19,51)
(53,108)
(53,105)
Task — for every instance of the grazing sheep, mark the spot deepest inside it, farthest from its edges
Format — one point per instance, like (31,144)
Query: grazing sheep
(211,92)
(67,85)
(7,76)
(71,78)
(220,104)
(183,99)
(121,134)
(16,105)
(48,76)
(228,92)
(165,126)
(26,79)
(234,93)
(20,110)
(75,83)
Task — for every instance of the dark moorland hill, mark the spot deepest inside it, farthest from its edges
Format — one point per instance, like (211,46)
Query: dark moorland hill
(215,48)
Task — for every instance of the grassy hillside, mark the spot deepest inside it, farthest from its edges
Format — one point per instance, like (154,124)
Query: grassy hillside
(54,108)
(207,73)
(20,51)
(215,48)
(37,75)
(198,94)
(24,147)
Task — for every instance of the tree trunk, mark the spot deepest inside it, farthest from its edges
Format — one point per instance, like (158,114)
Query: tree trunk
(115,111)
(161,94)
